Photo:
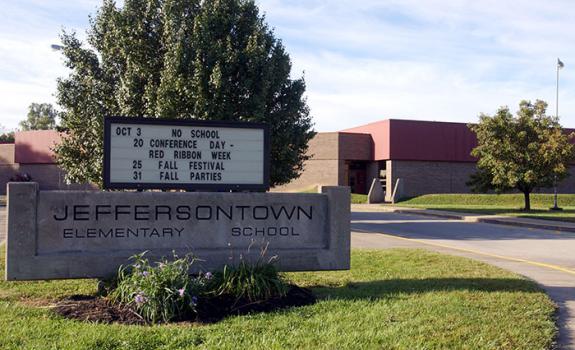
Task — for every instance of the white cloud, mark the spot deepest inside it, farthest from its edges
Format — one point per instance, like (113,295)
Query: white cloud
(343,92)
(433,60)
(363,60)
(28,66)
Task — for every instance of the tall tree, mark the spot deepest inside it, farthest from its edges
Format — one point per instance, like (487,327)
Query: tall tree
(7,137)
(41,116)
(189,59)
(521,152)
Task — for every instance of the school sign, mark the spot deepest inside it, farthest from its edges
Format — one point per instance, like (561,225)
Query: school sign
(146,153)
(88,234)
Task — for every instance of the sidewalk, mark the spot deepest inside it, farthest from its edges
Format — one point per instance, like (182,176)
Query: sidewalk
(469,217)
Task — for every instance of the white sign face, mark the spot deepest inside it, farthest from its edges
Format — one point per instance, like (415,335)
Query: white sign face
(157,153)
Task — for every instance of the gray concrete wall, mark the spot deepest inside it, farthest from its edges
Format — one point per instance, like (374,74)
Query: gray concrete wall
(568,185)
(83,234)
(423,177)
(372,172)
(389,183)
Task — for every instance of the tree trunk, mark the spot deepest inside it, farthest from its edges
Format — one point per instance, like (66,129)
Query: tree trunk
(527,201)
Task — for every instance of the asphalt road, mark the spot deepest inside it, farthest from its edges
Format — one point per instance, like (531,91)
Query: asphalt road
(548,257)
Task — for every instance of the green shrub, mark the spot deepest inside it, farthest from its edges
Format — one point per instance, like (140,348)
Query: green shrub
(161,292)
(164,291)
(254,282)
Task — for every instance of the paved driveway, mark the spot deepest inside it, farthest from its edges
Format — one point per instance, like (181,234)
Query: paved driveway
(548,257)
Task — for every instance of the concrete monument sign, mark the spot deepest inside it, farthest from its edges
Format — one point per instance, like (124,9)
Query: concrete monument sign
(77,234)
(151,153)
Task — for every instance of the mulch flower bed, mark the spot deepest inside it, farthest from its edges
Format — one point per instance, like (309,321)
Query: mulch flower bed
(209,310)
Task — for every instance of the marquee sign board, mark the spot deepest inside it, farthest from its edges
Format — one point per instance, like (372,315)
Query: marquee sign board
(151,153)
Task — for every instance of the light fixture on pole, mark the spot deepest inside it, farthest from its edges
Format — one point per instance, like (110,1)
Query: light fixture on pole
(560,65)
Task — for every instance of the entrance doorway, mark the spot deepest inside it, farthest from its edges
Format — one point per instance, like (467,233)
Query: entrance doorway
(357,178)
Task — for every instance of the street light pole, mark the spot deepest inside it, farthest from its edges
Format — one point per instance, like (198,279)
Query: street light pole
(559,66)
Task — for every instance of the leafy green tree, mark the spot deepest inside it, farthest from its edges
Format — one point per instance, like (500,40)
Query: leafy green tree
(188,59)
(521,152)
(7,137)
(41,116)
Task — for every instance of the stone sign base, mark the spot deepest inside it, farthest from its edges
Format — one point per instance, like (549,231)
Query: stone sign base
(87,234)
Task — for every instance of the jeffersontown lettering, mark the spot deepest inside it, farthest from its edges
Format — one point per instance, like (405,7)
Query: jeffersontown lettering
(182,212)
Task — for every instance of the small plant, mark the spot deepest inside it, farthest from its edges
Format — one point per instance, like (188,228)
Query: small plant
(255,282)
(163,291)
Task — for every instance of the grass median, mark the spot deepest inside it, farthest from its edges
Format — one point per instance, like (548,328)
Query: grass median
(401,299)
(497,204)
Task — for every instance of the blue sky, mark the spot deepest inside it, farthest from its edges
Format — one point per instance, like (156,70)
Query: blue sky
(363,60)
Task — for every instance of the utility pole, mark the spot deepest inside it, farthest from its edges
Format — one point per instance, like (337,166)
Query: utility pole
(559,66)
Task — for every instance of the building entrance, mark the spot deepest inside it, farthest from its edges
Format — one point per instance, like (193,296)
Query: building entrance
(357,177)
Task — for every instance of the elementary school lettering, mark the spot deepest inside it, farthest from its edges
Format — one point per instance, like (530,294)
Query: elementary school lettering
(145,218)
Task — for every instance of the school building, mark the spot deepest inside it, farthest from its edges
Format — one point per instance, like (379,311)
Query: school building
(31,156)
(425,156)
(422,156)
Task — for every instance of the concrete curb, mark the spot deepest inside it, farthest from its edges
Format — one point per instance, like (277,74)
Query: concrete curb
(430,213)
(491,219)
(541,226)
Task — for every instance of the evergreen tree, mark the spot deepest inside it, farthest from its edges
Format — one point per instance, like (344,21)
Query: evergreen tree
(188,59)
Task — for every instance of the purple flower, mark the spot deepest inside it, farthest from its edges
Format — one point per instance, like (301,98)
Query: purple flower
(145,273)
(181,292)
(140,298)
(194,300)
(208,275)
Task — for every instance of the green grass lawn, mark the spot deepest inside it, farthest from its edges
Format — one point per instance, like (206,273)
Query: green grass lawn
(357,198)
(493,204)
(395,299)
